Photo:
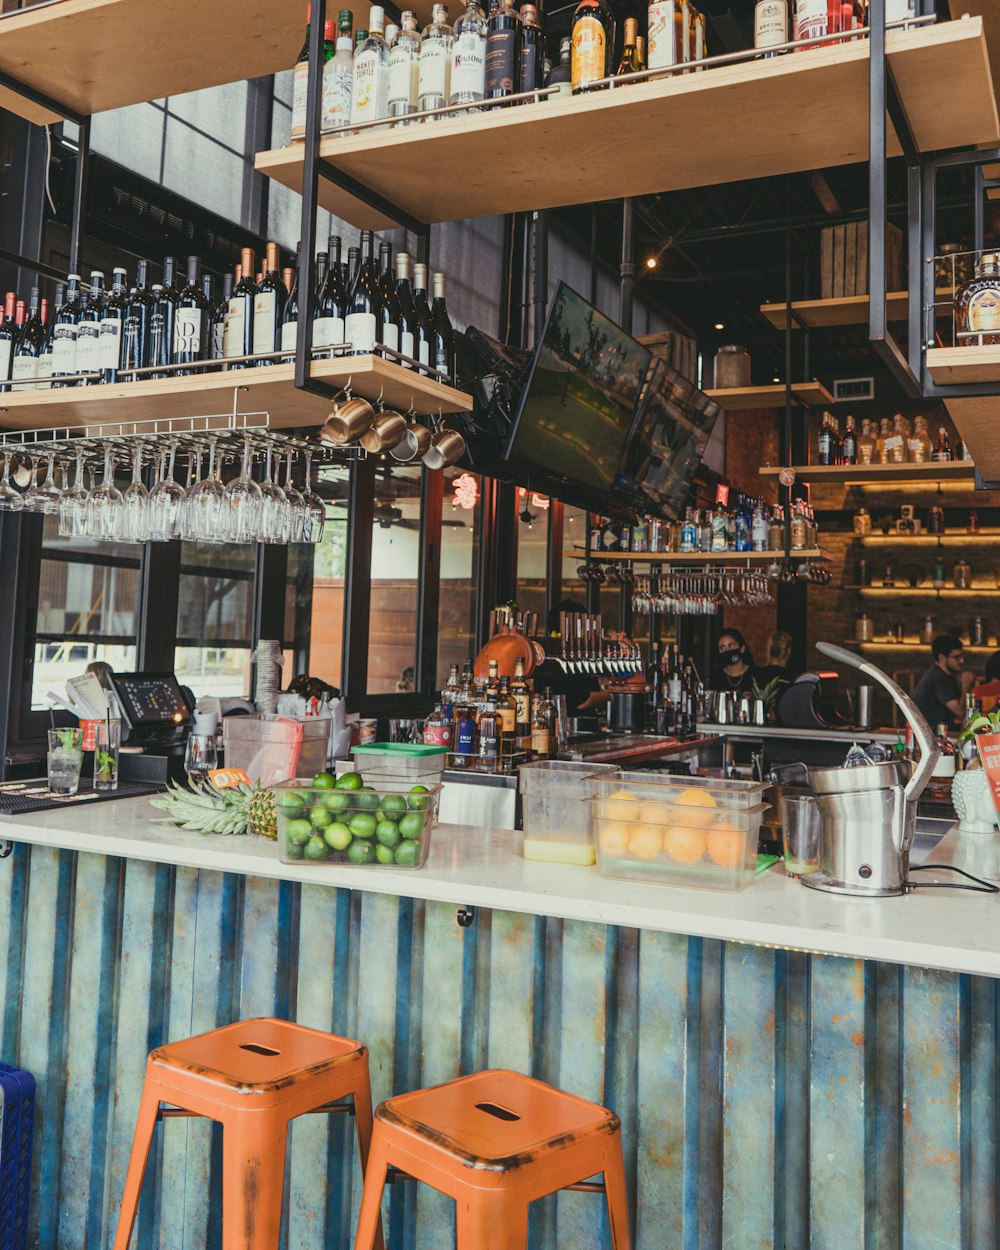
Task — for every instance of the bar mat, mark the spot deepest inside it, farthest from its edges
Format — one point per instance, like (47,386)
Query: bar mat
(19,798)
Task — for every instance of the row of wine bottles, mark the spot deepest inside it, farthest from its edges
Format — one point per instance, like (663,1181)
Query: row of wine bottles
(107,335)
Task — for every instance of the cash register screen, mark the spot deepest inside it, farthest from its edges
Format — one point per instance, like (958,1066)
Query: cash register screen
(151,700)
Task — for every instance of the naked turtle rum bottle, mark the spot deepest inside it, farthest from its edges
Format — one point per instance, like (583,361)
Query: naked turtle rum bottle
(593,44)
(977,305)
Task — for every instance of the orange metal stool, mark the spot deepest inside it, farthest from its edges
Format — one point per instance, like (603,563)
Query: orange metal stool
(494,1142)
(252,1077)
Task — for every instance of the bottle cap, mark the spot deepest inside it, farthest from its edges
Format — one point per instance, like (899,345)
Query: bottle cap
(376,18)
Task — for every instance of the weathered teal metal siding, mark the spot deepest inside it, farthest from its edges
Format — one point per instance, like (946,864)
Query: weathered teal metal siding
(769,1099)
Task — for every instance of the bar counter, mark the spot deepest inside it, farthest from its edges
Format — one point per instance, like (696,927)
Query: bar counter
(791,1069)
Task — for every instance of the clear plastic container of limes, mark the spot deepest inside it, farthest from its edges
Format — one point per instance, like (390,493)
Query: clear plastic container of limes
(342,822)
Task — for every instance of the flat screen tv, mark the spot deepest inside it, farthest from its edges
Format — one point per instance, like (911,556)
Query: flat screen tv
(579,403)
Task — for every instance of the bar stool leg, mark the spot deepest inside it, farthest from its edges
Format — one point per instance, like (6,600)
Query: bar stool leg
(149,1105)
(363,1127)
(486,1222)
(253,1171)
(369,1233)
(616,1193)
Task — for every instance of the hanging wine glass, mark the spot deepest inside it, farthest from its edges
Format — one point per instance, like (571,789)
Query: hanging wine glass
(316,509)
(297,508)
(73,503)
(204,508)
(135,502)
(165,499)
(243,503)
(31,502)
(274,505)
(11,500)
(104,508)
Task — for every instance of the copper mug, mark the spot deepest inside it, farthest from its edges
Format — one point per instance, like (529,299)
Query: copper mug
(387,430)
(414,443)
(348,421)
(447,447)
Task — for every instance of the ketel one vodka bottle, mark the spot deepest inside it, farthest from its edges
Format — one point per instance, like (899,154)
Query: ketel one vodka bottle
(435,61)
(468,56)
(404,70)
(370,90)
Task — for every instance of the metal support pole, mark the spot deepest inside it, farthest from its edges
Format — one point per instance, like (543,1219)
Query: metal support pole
(79,195)
(876,171)
(627,269)
(540,274)
(928,179)
(915,268)
(977,207)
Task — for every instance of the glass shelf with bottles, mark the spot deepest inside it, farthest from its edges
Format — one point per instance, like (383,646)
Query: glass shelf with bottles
(894,440)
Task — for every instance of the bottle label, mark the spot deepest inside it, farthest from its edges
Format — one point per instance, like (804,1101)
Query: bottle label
(437,736)
(406,344)
(489,746)
(360,330)
(507,720)
(328,331)
(110,348)
(540,739)
(468,66)
(370,91)
(187,332)
(529,66)
(158,353)
(338,80)
(263,322)
(219,339)
(770,23)
(811,18)
(435,62)
(390,335)
(87,347)
(523,703)
(300,91)
(660,46)
(424,355)
(500,49)
(44,373)
(25,367)
(289,335)
(6,347)
(64,348)
(402,97)
(984,310)
(232,334)
(465,738)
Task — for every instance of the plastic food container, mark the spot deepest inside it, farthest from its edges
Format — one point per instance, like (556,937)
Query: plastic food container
(400,761)
(692,831)
(272,750)
(556,812)
(388,825)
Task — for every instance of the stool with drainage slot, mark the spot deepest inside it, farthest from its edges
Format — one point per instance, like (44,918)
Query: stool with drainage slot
(252,1077)
(495,1141)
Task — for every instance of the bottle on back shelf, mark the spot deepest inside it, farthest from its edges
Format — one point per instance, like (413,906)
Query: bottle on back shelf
(365,306)
(540,740)
(190,320)
(64,334)
(450,693)
(443,336)
(331,305)
(593,44)
(290,317)
(113,315)
(770,25)
(503,50)
(217,327)
(388,329)
(370,89)
(8,337)
(425,329)
(45,360)
(561,75)
(300,82)
(435,61)
(849,444)
(338,78)
(629,64)
(29,347)
(489,732)
(977,305)
(269,307)
(237,339)
(943,452)
(404,70)
(468,57)
(522,704)
(437,729)
(408,327)
(532,49)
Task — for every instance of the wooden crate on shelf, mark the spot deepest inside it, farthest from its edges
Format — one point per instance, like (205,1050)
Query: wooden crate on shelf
(843,259)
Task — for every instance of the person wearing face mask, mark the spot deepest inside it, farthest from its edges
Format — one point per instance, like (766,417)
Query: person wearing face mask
(735,670)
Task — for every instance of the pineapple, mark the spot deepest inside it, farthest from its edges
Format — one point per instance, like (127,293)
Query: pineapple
(237,809)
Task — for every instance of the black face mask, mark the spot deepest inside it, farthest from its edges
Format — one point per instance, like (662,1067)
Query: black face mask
(731,657)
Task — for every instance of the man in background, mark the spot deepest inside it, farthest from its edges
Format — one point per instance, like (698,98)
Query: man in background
(941,691)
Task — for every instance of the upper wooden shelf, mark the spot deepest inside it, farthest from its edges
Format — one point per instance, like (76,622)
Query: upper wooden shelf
(692,557)
(964,364)
(744,398)
(93,55)
(808,110)
(976,421)
(269,389)
(844,310)
(878,474)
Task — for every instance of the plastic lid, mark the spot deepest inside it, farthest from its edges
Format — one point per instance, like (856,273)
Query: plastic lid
(411,750)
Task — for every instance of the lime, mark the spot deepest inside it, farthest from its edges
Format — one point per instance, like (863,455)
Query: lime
(316,848)
(337,836)
(295,850)
(298,832)
(336,801)
(291,802)
(384,854)
(393,803)
(412,825)
(319,816)
(323,781)
(387,833)
(419,798)
(407,854)
(366,798)
(362,824)
(350,781)
(361,851)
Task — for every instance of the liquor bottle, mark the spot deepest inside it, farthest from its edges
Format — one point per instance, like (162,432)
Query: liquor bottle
(391,35)
(507,707)
(269,307)
(640,51)
(593,44)
(489,733)
(349,272)
(867,452)
(450,693)
(493,680)
(921,447)
(8,337)
(158,351)
(171,290)
(435,61)
(408,325)
(322,269)
(977,304)
(338,78)
(532,49)
(741,526)
(522,703)
(561,75)
(217,325)
(464,735)
(64,333)
(370,89)
(551,717)
(824,442)
(365,307)
(540,741)
(111,337)
(88,332)
(760,528)
(812,18)
(849,444)
(388,329)
(629,64)
(290,318)
(190,321)
(945,766)
(300,81)
(942,451)
(404,70)
(653,677)
(770,25)
(663,22)
(443,336)
(689,532)
(719,525)
(468,57)
(503,50)
(331,306)
(28,348)
(425,328)
(237,336)
(437,729)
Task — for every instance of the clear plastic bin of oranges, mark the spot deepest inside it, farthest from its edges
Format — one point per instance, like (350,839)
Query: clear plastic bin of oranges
(696,831)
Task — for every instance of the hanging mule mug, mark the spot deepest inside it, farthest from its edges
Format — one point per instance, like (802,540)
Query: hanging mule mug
(446,447)
(348,421)
(386,431)
(413,444)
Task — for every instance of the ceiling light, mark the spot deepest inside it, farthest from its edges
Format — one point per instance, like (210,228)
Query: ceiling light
(650,262)
(719,325)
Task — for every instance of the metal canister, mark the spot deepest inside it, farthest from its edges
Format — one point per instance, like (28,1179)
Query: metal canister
(655,534)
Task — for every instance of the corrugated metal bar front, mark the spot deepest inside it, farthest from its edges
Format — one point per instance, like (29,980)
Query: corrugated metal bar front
(769,1099)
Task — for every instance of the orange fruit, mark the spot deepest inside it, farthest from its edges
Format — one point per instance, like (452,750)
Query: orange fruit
(701,807)
(646,842)
(620,806)
(613,836)
(725,844)
(684,844)
(655,814)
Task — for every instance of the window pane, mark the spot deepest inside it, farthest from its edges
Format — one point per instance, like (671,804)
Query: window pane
(532,551)
(214,618)
(326,635)
(392,641)
(460,537)
(220,671)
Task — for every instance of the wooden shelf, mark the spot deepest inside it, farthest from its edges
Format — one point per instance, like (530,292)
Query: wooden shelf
(964,364)
(745,398)
(691,557)
(956,538)
(269,389)
(976,422)
(946,592)
(808,110)
(911,646)
(844,310)
(94,55)
(879,474)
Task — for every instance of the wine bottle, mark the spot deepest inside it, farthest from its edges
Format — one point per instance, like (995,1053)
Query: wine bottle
(331,305)
(45,360)
(425,329)
(443,336)
(290,317)
(351,276)
(629,64)
(158,352)
(561,75)
(407,312)
(370,88)
(190,321)
(388,332)
(269,307)
(217,326)
(435,61)
(8,337)
(322,267)
(404,70)
(468,57)
(238,332)
(532,49)
(135,348)
(503,50)
(365,306)
(29,347)
(300,80)
(64,334)
(109,344)
(593,44)
(169,298)
(338,78)
(88,332)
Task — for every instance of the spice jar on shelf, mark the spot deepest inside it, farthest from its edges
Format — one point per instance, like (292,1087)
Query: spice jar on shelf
(962,574)
(862,523)
(927,633)
(732,367)
(864,628)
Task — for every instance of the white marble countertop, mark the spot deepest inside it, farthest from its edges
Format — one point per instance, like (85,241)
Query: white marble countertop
(950,929)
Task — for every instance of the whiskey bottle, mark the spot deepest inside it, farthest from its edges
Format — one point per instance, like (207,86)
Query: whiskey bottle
(522,702)
(849,444)
(921,447)
(540,740)
(943,452)
(532,49)
(490,735)
(977,305)
(867,453)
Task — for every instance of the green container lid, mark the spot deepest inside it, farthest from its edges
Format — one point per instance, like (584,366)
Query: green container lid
(408,750)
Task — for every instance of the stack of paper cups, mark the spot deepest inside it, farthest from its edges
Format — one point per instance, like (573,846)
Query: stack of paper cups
(268,659)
